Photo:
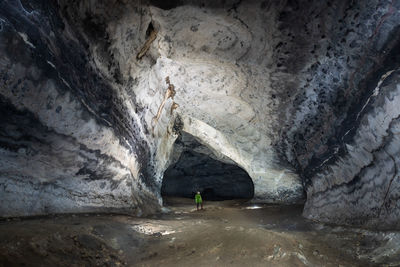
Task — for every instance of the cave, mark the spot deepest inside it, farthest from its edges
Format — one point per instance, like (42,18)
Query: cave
(198,170)
(285,115)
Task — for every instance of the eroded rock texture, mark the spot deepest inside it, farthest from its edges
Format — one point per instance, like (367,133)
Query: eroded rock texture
(302,95)
(70,138)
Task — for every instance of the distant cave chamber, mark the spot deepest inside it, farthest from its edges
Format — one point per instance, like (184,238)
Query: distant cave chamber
(215,180)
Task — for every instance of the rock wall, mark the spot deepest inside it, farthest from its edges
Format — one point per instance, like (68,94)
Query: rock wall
(339,132)
(206,64)
(360,184)
(67,140)
(302,95)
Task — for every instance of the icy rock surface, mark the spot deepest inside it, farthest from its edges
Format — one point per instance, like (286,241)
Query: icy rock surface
(70,140)
(302,95)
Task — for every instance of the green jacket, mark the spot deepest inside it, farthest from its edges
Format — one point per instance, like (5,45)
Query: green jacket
(198,199)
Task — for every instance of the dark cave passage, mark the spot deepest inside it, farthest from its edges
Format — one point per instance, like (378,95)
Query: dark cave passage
(196,168)
(215,180)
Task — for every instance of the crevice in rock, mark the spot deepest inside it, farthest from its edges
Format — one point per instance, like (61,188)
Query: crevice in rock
(395,174)
(151,35)
(150,30)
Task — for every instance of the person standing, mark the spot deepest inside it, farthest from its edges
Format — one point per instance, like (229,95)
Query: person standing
(198,200)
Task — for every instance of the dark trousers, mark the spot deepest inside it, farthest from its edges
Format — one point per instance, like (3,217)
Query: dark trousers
(201,203)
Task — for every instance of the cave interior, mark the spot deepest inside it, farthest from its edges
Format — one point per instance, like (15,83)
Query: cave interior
(285,115)
(199,170)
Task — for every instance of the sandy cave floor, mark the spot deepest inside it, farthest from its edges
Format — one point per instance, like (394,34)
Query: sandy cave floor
(227,233)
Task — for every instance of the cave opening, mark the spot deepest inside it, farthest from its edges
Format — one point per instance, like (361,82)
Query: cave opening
(196,168)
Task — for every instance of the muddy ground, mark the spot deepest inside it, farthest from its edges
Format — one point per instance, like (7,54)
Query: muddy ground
(228,233)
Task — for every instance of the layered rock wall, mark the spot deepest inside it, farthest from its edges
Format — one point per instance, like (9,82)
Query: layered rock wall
(344,113)
(68,140)
(360,185)
(302,95)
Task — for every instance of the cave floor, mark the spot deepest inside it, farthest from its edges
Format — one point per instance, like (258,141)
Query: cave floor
(227,233)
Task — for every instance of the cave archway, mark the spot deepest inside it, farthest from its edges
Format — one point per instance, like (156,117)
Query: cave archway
(196,168)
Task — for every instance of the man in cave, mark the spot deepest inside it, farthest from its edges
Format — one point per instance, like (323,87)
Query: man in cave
(198,200)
